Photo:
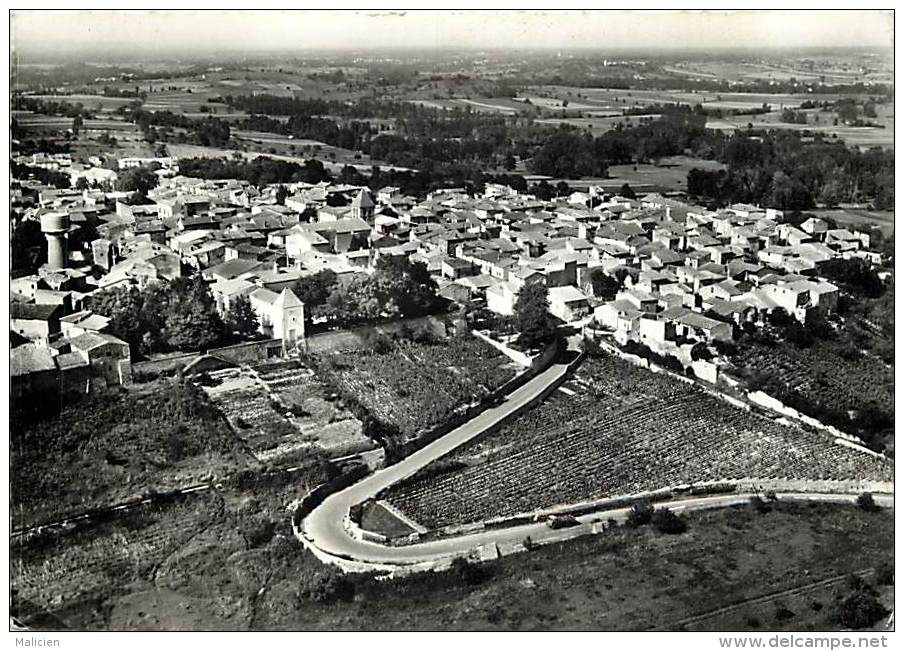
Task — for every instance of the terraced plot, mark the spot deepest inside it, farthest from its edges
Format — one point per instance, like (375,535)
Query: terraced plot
(619,430)
(416,386)
(282,413)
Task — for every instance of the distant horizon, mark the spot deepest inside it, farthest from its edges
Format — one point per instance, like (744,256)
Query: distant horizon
(116,36)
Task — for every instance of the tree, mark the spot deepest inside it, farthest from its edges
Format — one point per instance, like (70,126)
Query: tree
(241,318)
(124,307)
(315,289)
(531,316)
(627,192)
(81,184)
(604,286)
(640,515)
(137,179)
(467,572)
(700,351)
(281,194)
(191,318)
(668,522)
(866,502)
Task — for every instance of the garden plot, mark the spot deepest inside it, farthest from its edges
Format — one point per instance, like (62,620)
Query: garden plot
(313,409)
(626,430)
(413,387)
(281,411)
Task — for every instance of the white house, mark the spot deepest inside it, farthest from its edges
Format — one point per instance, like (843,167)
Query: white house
(281,315)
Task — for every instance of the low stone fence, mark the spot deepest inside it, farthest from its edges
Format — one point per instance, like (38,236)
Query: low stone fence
(243,353)
(743,485)
(774,404)
(315,498)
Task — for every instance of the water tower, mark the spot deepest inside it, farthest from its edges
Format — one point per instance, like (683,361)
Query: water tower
(55,226)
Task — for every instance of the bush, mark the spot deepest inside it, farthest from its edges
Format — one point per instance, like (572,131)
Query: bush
(378,343)
(640,515)
(668,522)
(257,531)
(860,608)
(328,586)
(467,572)
(866,502)
(759,505)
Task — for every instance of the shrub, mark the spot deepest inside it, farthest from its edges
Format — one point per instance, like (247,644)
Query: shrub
(256,531)
(328,586)
(759,505)
(866,502)
(668,522)
(467,572)
(860,608)
(640,515)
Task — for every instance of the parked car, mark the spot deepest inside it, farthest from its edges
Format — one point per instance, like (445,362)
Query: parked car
(561,521)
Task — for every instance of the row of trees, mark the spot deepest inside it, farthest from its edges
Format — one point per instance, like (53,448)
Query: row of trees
(160,125)
(259,171)
(180,315)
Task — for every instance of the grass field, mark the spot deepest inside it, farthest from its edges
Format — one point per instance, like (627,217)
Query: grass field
(108,448)
(669,175)
(884,219)
(852,136)
(189,567)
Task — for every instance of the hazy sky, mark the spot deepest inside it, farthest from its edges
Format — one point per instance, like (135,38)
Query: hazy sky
(172,32)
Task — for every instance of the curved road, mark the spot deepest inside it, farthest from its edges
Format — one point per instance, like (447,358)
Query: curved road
(323,530)
(323,527)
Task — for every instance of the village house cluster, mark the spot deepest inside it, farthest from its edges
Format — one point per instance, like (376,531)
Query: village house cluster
(684,274)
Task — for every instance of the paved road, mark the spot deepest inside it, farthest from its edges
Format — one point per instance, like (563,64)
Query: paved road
(323,528)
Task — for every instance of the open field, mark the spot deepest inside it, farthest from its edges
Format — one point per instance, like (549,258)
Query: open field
(188,567)
(91,102)
(106,449)
(333,165)
(621,98)
(852,136)
(413,387)
(621,430)
(750,71)
(597,125)
(883,219)
(669,175)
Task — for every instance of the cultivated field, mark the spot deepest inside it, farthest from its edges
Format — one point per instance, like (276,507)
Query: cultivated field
(618,430)
(416,386)
(669,175)
(884,219)
(283,413)
(852,136)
